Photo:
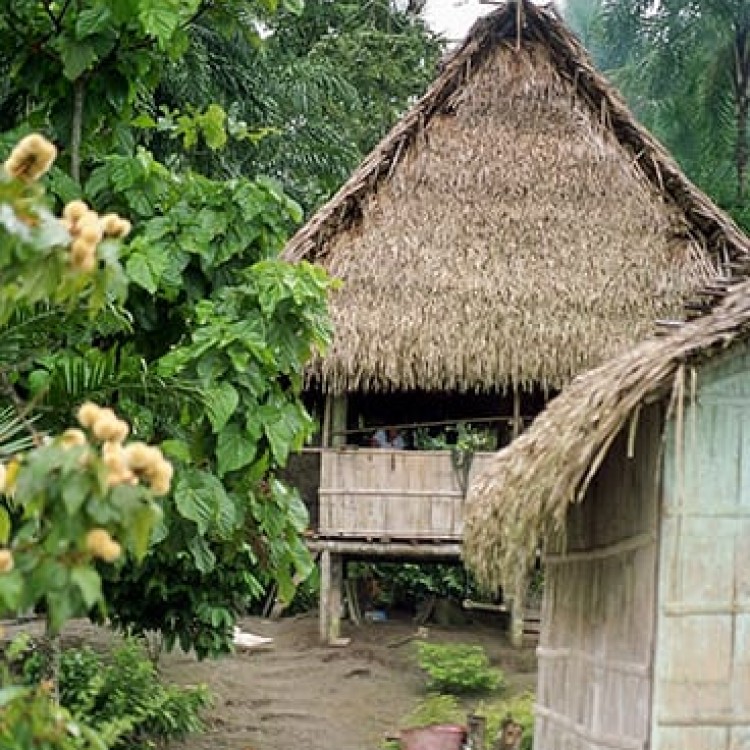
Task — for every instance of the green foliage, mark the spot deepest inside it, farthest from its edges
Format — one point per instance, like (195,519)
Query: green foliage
(685,69)
(121,699)
(519,708)
(436,708)
(58,495)
(407,583)
(458,668)
(31,720)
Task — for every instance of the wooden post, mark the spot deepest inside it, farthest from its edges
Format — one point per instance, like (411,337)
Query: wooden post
(338,421)
(334,420)
(331,583)
(476,726)
(517,423)
(516,623)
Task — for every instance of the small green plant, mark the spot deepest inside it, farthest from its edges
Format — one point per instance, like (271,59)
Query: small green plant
(31,719)
(458,668)
(436,708)
(520,708)
(121,700)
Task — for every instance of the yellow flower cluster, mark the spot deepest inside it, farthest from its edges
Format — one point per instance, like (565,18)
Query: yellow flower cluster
(126,464)
(87,229)
(101,545)
(6,561)
(31,158)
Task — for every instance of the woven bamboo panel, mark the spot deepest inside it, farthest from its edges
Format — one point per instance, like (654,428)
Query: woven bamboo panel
(392,494)
(596,649)
(702,686)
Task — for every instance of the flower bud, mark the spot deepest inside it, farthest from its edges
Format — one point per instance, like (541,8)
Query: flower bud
(101,545)
(6,561)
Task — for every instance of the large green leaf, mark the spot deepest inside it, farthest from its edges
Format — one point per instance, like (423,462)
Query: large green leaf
(88,583)
(234,449)
(199,496)
(221,402)
(92,20)
(77,57)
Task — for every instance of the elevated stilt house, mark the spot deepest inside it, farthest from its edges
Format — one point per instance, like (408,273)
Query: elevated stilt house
(638,479)
(515,228)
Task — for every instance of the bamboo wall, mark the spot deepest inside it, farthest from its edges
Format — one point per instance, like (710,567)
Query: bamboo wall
(702,684)
(595,652)
(394,494)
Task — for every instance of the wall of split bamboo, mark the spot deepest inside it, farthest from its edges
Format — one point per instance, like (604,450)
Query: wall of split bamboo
(702,671)
(395,494)
(595,653)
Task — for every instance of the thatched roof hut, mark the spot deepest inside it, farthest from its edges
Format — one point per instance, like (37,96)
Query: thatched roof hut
(515,228)
(636,478)
(524,495)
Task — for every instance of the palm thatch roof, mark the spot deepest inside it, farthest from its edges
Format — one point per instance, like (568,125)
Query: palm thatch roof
(515,228)
(524,495)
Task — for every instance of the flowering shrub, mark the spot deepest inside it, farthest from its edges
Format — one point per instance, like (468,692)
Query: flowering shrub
(86,495)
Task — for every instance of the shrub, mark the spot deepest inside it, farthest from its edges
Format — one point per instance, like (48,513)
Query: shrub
(122,700)
(520,708)
(458,668)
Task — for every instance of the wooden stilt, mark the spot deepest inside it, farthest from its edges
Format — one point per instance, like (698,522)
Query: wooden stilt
(517,422)
(331,584)
(516,623)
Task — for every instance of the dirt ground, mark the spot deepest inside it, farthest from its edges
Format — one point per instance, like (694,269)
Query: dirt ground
(300,694)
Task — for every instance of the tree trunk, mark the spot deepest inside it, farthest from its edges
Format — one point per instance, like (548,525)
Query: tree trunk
(76,128)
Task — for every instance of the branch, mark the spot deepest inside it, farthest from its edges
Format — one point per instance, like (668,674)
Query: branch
(54,20)
(22,409)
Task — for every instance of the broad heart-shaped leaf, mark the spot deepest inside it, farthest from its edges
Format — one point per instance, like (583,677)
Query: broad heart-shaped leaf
(76,58)
(92,20)
(145,267)
(235,449)
(199,497)
(89,584)
(221,401)
(160,18)
(11,592)
(202,556)
(139,271)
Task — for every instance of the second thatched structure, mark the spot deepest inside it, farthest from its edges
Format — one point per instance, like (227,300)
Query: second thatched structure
(515,228)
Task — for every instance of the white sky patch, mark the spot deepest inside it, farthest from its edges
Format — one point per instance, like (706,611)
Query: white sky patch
(453,18)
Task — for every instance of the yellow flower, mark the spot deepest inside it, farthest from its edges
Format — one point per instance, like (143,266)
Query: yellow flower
(83,255)
(161,479)
(74,210)
(101,545)
(89,231)
(31,158)
(118,472)
(114,226)
(88,414)
(6,561)
(108,427)
(72,438)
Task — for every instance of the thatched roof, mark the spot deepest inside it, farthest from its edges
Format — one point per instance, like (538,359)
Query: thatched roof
(516,227)
(524,495)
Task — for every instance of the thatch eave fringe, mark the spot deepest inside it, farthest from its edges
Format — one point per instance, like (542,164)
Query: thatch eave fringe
(525,494)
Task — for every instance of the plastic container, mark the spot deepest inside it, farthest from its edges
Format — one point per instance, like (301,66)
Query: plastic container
(435,737)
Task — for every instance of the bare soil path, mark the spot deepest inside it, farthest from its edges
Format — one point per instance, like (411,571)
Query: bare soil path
(300,694)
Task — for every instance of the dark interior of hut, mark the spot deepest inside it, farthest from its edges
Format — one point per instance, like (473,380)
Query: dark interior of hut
(431,420)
